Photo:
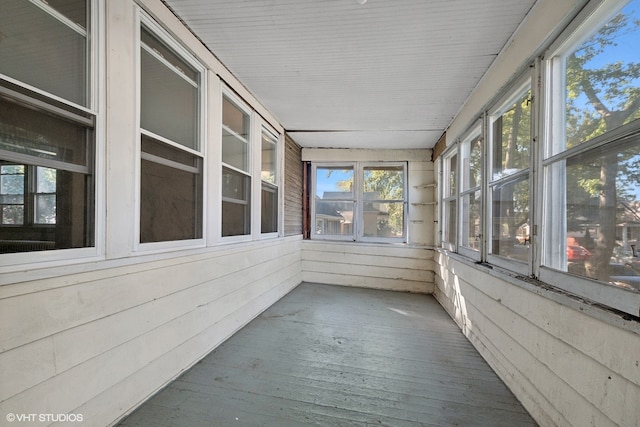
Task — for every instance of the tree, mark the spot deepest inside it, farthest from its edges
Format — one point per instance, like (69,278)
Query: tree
(383,183)
(602,96)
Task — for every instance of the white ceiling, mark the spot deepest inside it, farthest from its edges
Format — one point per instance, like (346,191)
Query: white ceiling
(336,73)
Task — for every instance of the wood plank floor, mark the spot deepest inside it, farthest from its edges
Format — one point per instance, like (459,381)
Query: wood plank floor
(336,356)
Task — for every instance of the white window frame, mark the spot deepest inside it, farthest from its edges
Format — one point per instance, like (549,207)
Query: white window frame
(277,138)
(339,237)
(143,19)
(449,196)
(357,199)
(250,172)
(476,132)
(516,91)
(359,224)
(95,106)
(553,77)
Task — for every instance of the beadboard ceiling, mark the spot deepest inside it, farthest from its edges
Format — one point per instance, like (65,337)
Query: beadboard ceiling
(336,73)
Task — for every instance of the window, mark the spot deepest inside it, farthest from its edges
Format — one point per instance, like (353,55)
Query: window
(269,178)
(171,87)
(334,201)
(47,127)
(383,202)
(510,128)
(45,45)
(360,201)
(450,199)
(236,168)
(591,162)
(471,157)
(584,234)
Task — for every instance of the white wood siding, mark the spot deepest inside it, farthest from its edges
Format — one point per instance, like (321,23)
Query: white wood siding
(566,367)
(388,267)
(99,343)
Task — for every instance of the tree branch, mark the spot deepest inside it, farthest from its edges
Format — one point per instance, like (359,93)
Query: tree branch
(593,97)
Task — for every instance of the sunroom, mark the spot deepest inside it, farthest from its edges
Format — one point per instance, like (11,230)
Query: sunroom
(173,171)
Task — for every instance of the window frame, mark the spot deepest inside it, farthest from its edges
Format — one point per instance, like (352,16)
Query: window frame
(160,33)
(450,195)
(314,185)
(88,114)
(516,91)
(266,129)
(547,82)
(249,173)
(357,198)
(553,152)
(359,225)
(473,134)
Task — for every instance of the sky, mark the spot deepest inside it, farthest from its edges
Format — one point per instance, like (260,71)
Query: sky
(324,183)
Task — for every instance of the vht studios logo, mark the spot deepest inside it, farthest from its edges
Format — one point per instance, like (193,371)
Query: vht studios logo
(45,418)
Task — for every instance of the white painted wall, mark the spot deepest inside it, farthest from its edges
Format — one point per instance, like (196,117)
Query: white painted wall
(98,343)
(570,364)
(382,266)
(379,266)
(96,336)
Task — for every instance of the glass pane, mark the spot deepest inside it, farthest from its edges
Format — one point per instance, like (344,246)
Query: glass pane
(384,183)
(451,217)
(41,51)
(512,138)
(334,217)
(601,231)
(510,219)
(235,219)
(236,212)
(235,136)
(67,213)
(235,151)
(269,209)
(603,79)
(334,203)
(383,219)
(452,175)
(472,163)
(12,188)
(176,62)
(42,136)
(471,216)
(74,10)
(45,212)
(235,119)
(235,185)
(169,101)
(170,197)
(269,165)
(334,183)
(11,179)
(46,180)
(12,215)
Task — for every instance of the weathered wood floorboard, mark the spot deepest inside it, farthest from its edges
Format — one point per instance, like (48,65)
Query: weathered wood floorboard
(335,356)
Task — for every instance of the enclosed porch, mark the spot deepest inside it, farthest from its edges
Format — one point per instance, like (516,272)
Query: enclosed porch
(339,356)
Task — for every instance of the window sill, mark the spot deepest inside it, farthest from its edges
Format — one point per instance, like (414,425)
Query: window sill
(596,310)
